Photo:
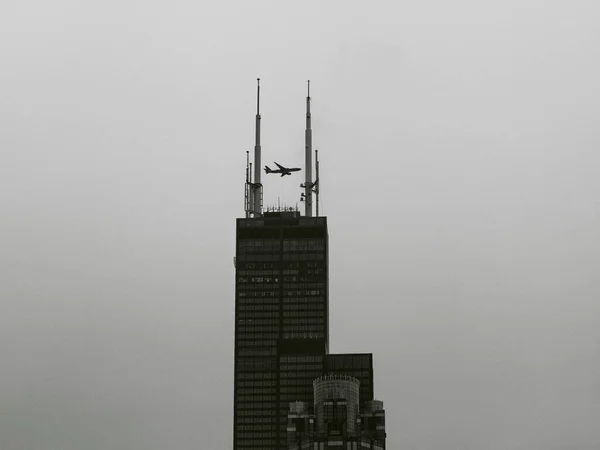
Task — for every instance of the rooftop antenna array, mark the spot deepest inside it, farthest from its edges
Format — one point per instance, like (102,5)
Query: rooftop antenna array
(254,189)
(253,194)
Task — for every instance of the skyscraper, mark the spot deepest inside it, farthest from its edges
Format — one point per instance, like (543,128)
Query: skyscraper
(282,312)
(281,326)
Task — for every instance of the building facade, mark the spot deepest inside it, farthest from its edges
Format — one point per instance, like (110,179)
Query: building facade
(281,323)
(336,419)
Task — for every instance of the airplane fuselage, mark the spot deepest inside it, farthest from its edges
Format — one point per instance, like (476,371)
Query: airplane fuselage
(282,170)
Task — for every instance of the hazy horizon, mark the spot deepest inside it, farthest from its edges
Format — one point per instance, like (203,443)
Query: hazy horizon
(459,174)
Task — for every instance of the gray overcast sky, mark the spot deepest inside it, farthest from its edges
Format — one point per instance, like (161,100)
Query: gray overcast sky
(459,153)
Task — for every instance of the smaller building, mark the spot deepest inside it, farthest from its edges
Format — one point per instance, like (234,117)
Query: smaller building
(336,419)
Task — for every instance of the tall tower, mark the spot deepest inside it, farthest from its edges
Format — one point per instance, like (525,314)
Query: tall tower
(281,322)
(282,312)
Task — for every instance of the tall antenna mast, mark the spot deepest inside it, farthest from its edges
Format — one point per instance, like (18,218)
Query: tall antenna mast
(308,159)
(247,190)
(316,184)
(257,186)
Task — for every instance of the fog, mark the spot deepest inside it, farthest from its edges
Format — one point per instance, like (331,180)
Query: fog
(459,174)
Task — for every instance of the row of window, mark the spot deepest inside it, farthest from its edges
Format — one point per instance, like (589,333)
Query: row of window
(249,289)
(252,335)
(308,358)
(258,313)
(249,342)
(259,266)
(260,272)
(264,434)
(314,309)
(257,420)
(264,247)
(362,375)
(274,258)
(256,258)
(259,444)
(255,391)
(272,261)
(252,251)
(250,297)
(253,316)
(256,398)
(261,383)
(307,278)
(272,249)
(253,364)
(255,306)
(303,256)
(249,328)
(301,322)
(298,243)
(289,267)
(266,298)
(295,391)
(257,407)
(300,366)
(257,279)
(297,334)
(276,265)
(311,292)
(263,427)
(260,413)
(263,318)
(257,242)
(288,275)
(257,376)
(297,381)
(304,300)
(305,375)
(309,313)
(349,361)
(304,244)
(258,321)
(264,295)
(257,352)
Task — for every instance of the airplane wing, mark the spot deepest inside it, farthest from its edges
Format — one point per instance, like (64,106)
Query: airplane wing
(281,167)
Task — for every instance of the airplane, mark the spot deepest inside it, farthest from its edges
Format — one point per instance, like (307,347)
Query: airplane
(282,170)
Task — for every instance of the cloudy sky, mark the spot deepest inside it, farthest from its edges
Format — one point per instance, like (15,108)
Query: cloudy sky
(459,154)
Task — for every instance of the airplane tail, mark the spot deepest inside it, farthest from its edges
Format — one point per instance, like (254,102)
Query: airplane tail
(267,169)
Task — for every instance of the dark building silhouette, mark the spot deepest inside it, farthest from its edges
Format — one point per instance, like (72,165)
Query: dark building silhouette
(281,325)
(282,315)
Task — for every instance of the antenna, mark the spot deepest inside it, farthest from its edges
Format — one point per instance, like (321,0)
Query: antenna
(247,192)
(316,183)
(308,159)
(257,186)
